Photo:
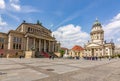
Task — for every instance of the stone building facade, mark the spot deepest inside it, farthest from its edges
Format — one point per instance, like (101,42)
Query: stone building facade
(117,50)
(27,37)
(76,51)
(97,46)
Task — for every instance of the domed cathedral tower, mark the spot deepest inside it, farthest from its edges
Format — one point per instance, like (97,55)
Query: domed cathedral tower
(97,33)
(97,47)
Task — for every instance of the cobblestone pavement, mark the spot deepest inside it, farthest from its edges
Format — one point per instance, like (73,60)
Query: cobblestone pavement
(44,69)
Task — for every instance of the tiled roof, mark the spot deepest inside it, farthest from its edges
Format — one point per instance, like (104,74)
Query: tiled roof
(77,48)
(63,48)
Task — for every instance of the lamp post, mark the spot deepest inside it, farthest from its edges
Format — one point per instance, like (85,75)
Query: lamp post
(33,52)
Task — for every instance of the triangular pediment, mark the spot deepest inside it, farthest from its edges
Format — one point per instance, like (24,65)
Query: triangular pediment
(93,45)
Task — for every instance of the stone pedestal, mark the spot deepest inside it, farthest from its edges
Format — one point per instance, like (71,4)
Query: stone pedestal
(7,56)
(29,54)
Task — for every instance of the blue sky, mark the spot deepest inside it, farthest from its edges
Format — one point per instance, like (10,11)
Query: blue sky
(61,15)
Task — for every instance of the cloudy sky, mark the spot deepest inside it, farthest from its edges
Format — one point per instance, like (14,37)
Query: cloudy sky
(70,20)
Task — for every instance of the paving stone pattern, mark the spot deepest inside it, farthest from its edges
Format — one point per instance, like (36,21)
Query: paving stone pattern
(44,69)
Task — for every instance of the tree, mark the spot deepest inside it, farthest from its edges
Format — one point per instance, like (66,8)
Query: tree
(62,52)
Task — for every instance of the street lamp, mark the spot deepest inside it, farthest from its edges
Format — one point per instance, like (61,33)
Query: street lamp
(33,53)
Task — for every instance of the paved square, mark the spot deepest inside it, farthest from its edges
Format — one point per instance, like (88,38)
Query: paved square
(22,75)
(40,64)
(12,66)
(44,69)
(61,68)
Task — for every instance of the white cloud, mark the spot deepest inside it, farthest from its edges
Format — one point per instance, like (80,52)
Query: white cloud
(28,9)
(16,6)
(2,4)
(71,35)
(2,23)
(112,29)
(15,1)
(117,17)
(4,26)
(118,39)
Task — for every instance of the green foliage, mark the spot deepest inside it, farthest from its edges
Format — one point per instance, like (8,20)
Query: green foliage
(62,52)
(118,55)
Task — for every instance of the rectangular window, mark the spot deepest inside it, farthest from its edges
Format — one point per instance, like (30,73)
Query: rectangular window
(2,40)
(17,42)
(14,39)
(20,40)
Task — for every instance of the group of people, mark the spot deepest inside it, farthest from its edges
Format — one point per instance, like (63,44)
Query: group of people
(51,57)
(92,58)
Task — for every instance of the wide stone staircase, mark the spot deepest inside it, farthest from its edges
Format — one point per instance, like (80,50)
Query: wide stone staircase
(44,54)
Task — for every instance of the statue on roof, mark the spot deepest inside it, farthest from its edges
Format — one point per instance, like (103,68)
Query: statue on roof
(39,23)
(24,21)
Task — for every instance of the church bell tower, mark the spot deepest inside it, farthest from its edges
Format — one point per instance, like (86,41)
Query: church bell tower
(97,33)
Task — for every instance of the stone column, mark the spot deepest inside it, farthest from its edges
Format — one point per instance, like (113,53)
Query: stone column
(91,52)
(108,51)
(99,52)
(9,41)
(44,45)
(111,51)
(27,47)
(34,43)
(53,46)
(49,47)
(39,44)
(103,49)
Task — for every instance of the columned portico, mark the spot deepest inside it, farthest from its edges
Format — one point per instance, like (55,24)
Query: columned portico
(26,39)
(40,44)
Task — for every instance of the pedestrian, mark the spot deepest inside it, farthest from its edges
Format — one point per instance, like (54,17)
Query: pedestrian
(20,56)
(100,58)
(53,57)
(109,58)
(50,57)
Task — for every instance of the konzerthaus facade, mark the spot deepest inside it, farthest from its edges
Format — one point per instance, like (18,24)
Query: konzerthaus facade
(97,46)
(26,38)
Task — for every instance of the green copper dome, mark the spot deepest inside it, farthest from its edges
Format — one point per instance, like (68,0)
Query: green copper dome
(97,23)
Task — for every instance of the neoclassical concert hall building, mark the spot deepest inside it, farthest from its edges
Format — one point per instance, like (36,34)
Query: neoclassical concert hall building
(97,46)
(27,40)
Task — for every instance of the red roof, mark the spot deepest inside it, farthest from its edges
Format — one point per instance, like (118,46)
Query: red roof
(77,48)
(63,48)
